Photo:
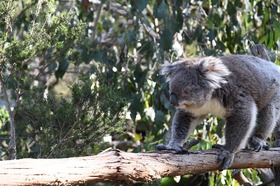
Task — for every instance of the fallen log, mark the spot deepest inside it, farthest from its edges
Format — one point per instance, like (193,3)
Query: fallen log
(122,167)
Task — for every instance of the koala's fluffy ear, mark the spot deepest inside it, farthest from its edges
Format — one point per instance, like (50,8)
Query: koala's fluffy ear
(214,71)
(168,70)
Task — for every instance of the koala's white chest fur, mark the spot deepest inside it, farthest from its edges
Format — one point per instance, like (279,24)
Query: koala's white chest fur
(213,106)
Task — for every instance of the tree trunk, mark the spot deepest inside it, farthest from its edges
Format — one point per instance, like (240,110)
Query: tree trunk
(122,167)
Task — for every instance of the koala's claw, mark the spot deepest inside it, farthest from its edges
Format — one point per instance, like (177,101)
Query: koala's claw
(257,144)
(218,146)
(178,149)
(225,157)
(161,147)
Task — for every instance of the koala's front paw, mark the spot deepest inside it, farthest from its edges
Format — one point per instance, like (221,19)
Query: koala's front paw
(178,149)
(257,144)
(225,157)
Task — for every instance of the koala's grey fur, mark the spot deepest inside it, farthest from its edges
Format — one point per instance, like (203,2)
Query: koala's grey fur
(240,88)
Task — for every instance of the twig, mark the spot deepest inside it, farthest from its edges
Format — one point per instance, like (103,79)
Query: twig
(240,178)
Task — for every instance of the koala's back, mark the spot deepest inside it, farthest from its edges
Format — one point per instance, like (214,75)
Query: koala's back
(254,66)
(254,76)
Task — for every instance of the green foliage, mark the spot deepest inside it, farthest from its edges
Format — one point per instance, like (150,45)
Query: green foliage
(112,51)
(49,35)
(4,116)
(56,127)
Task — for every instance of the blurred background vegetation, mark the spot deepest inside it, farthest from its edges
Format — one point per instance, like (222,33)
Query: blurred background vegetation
(81,76)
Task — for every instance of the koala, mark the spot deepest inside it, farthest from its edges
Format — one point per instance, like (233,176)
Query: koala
(242,89)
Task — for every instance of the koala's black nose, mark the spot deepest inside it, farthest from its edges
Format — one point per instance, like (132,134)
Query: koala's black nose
(173,99)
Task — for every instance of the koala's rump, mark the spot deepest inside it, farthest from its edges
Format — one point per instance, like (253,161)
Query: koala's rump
(254,76)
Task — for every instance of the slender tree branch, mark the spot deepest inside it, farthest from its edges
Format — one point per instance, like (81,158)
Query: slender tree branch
(96,22)
(239,176)
(12,144)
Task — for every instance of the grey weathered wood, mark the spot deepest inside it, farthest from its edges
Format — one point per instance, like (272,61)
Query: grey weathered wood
(118,166)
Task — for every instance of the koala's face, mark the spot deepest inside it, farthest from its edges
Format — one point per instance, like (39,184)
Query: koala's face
(188,89)
(192,81)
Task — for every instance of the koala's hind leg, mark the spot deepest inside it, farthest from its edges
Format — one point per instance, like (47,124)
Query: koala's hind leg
(239,127)
(183,125)
(266,122)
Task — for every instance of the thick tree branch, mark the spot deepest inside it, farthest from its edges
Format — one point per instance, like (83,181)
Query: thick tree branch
(117,166)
